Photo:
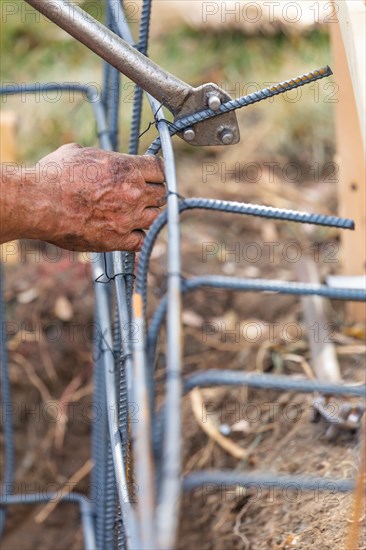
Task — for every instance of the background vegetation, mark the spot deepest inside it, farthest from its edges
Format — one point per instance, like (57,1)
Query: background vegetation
(240,63)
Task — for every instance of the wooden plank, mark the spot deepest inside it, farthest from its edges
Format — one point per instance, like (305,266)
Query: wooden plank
(323,353)
(351,161)
(352,24)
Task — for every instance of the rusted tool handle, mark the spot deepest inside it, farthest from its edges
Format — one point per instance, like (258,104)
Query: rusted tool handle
(105,43)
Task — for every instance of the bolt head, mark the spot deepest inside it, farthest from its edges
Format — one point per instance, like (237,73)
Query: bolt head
(226,136)
(189,134)
(214,102)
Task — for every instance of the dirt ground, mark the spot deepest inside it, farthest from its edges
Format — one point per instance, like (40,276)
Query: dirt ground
(50,314)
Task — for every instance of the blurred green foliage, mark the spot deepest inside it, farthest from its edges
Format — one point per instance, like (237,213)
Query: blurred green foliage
(40,52)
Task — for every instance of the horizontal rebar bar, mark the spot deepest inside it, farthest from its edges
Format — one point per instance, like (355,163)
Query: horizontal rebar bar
(268,285)
(219,480)
(249,285)
(37,88)
(86,509)
(233,207)
(216,377)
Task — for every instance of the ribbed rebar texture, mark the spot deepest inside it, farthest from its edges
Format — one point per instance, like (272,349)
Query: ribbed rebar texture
(122,413)
(267,285)
(137,100)
(244,101)
(108,140)
(100,445)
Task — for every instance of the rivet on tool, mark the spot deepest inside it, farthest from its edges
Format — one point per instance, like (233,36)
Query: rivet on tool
(214,102)
(189,134)
(226,136)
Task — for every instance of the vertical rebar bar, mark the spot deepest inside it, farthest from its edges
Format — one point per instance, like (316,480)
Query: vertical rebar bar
(99,441)
(137,100)
(112,92)
(103,307)
(167,511)
(104,465)
(7,410)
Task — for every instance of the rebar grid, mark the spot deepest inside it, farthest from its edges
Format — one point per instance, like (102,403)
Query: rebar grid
(124,365)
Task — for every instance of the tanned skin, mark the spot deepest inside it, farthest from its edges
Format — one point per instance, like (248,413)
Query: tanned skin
(82,199)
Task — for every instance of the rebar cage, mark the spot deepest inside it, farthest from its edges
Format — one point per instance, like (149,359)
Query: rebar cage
(137,507)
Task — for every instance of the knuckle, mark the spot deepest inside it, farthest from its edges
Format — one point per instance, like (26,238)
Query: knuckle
(160,163)
(72,145)
(162,201)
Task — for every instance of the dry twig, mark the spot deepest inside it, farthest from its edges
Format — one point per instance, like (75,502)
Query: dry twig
(66,489)
(211,430)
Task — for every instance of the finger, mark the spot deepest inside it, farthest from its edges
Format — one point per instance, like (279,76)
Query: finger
(133,242)
(155,194)
(148,217)
(152,168)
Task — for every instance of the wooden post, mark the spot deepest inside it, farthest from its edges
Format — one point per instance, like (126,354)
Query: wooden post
(323,354)
(348,43)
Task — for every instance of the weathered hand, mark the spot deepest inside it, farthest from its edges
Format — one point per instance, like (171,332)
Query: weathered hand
(86,199)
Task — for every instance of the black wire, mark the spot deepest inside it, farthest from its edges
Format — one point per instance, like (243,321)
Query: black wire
(156,121)
(110,277)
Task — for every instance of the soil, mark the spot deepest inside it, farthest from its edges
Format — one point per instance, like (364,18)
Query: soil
(55,365)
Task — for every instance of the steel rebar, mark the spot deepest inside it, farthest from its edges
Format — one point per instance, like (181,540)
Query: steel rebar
(215,377)
(219,481)
(244,101)
(6,408)
(86,510)
(128,513)
(227,206)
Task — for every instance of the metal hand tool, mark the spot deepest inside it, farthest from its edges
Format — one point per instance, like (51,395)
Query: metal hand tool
(180,98)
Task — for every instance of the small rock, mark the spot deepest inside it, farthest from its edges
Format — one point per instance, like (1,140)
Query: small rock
(28,296)
(63,309)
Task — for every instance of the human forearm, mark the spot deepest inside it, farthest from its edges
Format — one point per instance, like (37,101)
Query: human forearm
(82,199)
(15,193)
